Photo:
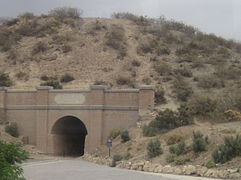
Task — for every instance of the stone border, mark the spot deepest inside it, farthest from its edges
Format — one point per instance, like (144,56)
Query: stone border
(147,87)
(44,87)
(3,88)
(97,87)
(21,91)
(71,107)
(122,91)
(68,91)
(187,170)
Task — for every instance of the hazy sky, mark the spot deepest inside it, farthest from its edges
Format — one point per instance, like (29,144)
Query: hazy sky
(222,17)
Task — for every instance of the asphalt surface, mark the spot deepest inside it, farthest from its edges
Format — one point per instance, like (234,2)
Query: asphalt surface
(81,170)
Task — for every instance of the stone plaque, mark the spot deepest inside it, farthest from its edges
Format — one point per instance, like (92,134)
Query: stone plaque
(69,98)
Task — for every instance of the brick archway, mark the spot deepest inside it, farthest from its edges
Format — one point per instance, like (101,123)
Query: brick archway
(69,134)
(39,112)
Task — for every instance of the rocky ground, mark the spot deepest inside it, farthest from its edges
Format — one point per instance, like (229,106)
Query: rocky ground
(148,166)
(140,162)
(195,167)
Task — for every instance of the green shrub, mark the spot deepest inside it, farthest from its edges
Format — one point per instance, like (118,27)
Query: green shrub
(48,78)
(170,158)
(7,39)
(26,15)
(62,38)
(116,158)
(116,39)
(202,105)
(181,160)
(114,133)
(177,26)
(197,63)
(139,20)
(230,149)
(227,72)
(28,28)
(149,131)
(182,90)
(223,52)
(11,155)
(66,48)
(11,22)
(66,78)
(151,45)
(171,38)
(178,149)
(62,13)
(5,80)
(210,164)
(159,95)
(154,148)
(157,30)
(178,160)
(96,26)
(13,55)
(49,26)
(127,156)
(146,80)
(162,50)
(207,82)
(39,47)
(125,136)
(162,68)
(124,80)
(183,51)
(136,63)
(185,116)
(186,72)
(234,143)
(195,48)
(237,102)
(221,154)
(167,120)
(146,46)
(173,139)
(22,75)
(216,60)
(12,129)
(44,78)
(100,82)
(54,83)
(199,142)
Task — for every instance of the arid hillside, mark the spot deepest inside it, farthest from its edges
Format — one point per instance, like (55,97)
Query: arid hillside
(196,75)
(66,51)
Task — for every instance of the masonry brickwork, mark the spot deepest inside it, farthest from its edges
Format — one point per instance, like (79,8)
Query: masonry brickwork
(99,109)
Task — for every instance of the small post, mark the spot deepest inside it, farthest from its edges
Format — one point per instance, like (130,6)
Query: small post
(109,145)
(3,93)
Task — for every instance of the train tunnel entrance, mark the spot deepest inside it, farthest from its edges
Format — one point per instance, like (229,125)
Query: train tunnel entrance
(69,135)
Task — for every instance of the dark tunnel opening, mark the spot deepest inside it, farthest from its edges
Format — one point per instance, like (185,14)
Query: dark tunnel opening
(69,136)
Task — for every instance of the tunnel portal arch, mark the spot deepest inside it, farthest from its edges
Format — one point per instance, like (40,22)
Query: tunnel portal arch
(69,135)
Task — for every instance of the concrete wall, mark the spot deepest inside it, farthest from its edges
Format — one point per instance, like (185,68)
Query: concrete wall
(101,110)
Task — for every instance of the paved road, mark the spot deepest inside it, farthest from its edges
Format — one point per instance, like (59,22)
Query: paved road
(66,169)
(81,170)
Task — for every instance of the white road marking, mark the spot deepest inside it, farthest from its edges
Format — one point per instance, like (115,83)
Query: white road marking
(41,163)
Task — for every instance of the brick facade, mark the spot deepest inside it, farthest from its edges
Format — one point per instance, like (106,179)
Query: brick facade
(99,109)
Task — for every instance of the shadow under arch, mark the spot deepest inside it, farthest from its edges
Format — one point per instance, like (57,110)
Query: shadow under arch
(69,135)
